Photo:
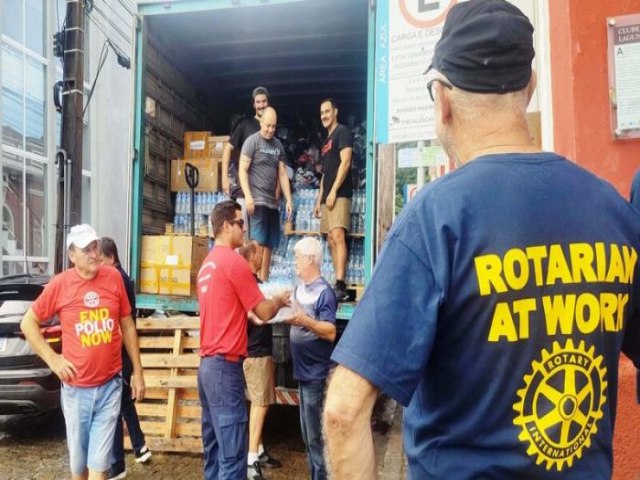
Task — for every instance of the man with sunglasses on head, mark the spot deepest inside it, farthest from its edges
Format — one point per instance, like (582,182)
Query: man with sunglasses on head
(503,295)
(227,292)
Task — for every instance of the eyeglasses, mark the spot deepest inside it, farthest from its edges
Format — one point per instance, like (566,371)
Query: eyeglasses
(439,80)
(239,222)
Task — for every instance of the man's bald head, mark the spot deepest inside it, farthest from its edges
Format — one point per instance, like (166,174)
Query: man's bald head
(268,123)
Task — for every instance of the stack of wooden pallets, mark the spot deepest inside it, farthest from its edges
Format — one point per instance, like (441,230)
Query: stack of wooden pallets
(170,415)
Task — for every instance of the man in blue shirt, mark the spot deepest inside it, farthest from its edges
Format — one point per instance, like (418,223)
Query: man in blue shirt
(635,201)
(313,330)
(504,292)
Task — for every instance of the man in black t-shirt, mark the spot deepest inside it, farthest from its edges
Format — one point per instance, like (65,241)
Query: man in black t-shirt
(231,152)
(333,205)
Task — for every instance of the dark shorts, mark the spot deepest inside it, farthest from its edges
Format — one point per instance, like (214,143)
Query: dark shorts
(264,226)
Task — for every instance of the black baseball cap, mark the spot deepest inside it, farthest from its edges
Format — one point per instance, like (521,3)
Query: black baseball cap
(260,91)
(486,47)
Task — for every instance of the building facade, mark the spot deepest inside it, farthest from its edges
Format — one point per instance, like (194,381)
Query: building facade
(30,133)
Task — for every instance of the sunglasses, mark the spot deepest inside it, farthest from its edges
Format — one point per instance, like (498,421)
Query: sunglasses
(441,82)
(239,222)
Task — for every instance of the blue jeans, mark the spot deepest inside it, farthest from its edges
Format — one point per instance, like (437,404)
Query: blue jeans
(311,402)
(130,415)
(90,415)
(224,419)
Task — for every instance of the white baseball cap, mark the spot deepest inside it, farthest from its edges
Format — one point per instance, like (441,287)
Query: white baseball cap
(81,236)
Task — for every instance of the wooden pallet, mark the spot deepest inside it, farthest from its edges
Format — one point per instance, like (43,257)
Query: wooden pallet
(170,415)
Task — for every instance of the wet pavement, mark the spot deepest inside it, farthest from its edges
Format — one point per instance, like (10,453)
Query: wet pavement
(35,449)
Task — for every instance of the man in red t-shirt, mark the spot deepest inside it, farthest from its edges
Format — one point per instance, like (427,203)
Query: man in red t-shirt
(95,316)
(227,291)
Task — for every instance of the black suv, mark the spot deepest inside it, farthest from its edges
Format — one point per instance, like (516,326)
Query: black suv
(27,385)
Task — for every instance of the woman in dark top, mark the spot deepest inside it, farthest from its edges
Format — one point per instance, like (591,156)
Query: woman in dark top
(127,408)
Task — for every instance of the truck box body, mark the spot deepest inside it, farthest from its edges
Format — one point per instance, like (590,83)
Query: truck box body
(197,65)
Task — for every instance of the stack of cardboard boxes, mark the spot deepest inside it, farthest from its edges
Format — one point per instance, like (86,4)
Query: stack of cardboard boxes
(170,263)
(204,152)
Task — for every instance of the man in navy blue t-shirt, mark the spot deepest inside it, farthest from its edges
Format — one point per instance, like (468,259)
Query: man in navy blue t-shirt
(504,293)
(635,201)
(313,330)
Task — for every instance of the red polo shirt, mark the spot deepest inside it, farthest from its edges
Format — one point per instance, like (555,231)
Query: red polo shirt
(227,290)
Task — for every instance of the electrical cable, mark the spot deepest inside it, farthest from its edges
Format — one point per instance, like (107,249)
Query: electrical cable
(97,24)
(115,13)
(126,7)
(111,23)
(104,53)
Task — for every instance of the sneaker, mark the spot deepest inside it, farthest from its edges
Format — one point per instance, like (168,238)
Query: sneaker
(143,455)
(117,473)
(267,461)
(254,471)
(340,290)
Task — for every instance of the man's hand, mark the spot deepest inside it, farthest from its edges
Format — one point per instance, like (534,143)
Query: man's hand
(63,368)
(137,386)
(250,205)
(298,319)
(225,184)
(317,210)
(289,208)
(331,200)
(283,299)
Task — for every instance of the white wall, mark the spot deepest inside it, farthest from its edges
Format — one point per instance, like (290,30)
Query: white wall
(538,13)
(111,123)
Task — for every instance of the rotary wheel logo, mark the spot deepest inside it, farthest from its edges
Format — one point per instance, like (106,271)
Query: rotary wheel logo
(561,403)
(91,299)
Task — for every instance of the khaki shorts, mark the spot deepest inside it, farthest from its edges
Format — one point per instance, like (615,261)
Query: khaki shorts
(259,375)
(340,216)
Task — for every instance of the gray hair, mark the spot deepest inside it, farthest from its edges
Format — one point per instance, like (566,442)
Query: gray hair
(309,246)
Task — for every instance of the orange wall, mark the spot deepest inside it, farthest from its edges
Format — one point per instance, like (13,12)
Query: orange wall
(582,132)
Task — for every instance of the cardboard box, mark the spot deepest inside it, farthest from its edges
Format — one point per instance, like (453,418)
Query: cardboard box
(170,264)
(208,171)
(196,144)
(216,145)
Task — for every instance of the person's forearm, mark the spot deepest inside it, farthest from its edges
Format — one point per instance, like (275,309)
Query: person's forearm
(30,326)
(319,198)
(322,329)
(347,425)
(267,309)
(243,177)
(285,186)
(226,158)
(343,170)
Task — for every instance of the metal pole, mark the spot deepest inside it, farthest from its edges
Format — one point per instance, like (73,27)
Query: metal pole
(67,209)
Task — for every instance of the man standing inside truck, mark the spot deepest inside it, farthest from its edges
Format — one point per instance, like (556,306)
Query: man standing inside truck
(231,153)
(262,169)
(333,204)
(91,301)
(503,295)
(227,292)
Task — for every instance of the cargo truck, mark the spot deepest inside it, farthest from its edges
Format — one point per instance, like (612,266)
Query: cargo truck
(197,63)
